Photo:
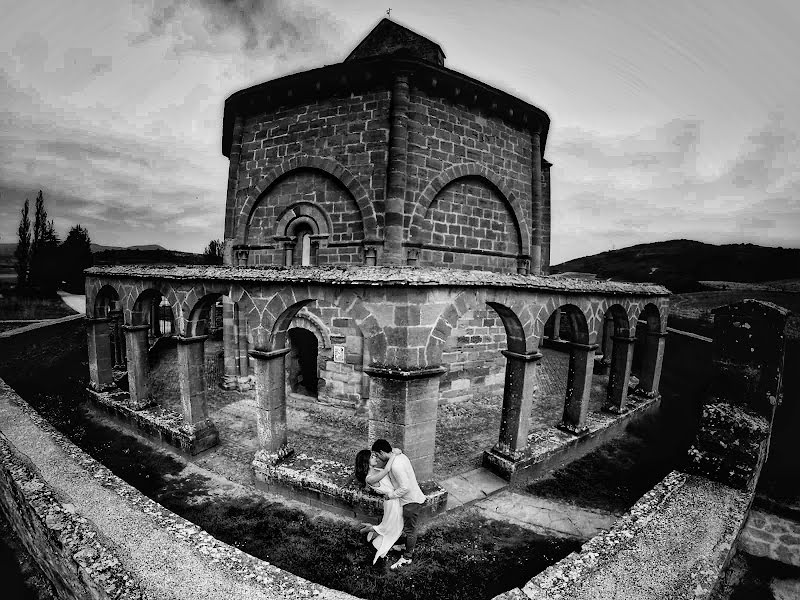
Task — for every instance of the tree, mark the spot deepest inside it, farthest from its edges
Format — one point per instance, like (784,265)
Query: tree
(212,255)
(44,272)
(75,256)
(23,252)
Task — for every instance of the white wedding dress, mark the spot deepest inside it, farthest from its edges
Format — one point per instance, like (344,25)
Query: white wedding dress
(391,526)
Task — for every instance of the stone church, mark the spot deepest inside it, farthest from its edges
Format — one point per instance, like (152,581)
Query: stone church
(388,158)
(387,244)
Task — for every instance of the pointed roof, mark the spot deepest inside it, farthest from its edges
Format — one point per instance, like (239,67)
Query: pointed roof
(390,38)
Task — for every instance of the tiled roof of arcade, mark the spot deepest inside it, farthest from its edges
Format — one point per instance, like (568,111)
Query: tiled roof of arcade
(380,276)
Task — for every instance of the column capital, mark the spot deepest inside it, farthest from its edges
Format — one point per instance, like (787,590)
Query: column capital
(269,354)
(529,357)
(190,339)
(396,373)
(144,327)
(586,347)
(624,339)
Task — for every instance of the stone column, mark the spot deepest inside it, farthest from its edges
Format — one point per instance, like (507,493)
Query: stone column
(536,204)
(270,375)
(115,324)
(579,385)
(241,352)
(606,346)
(229,344)
(651,363)
(556,325)
(396,184)
(402,409)
(231,205)
(138,365)
(518,394)
(620,374)
(192,379)
(100,356)
(155,322)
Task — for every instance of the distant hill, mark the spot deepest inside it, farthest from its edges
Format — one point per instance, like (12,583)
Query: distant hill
(116,255)
(681,264)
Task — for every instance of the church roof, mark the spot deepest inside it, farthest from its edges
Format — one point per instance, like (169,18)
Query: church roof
(389,38)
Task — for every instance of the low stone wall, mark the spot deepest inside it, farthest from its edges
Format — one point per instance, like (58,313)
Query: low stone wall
(67,548)
(329,485)
(95,536)
(550,448)
(657,550)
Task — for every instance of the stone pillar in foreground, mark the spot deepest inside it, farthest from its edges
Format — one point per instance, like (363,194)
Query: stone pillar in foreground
(579,385)
(397,165)
(518,394)
(242,353)
(138,365)
(747,368)
(192,380)
(270,381)
(402,409)
(651,364)
(620,374)
(229,344)
(101,360)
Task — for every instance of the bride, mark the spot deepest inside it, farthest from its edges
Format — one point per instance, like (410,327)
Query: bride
(371,471)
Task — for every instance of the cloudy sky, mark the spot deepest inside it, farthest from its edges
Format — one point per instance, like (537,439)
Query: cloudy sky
(669,120)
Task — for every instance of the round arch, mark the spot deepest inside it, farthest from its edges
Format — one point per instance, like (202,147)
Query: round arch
(328,165)
(460,171)
(104,300)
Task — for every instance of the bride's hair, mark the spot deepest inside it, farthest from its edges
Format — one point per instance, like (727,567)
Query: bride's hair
(362,465)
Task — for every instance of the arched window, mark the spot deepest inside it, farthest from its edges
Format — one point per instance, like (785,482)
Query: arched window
(303,251)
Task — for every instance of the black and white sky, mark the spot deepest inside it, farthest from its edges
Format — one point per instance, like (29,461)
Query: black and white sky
(669,119)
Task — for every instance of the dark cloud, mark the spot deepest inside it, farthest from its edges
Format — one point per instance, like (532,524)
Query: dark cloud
(260,26)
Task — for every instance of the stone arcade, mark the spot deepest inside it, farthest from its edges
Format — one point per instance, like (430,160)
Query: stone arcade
(387,237)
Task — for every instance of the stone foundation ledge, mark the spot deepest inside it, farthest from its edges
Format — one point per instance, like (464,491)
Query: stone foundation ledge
(331,486)
(157,422)
(208,568)
(78,563)
(675,542)
(551,447)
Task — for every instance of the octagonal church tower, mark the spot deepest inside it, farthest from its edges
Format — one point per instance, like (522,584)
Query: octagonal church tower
(387,158)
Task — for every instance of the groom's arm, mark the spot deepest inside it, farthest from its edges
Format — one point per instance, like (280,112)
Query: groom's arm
(401,477)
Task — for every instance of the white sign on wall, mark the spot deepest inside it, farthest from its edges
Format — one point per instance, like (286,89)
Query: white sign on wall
(338,354)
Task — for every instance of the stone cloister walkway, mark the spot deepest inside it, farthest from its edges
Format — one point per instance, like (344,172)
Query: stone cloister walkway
(336,433)
(405,317)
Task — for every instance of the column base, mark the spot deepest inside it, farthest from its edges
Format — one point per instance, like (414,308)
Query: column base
(199,436)
(614,409)
(102,387)
(265,459)
(578,430)
(244,384)
(141,404)
(229,382)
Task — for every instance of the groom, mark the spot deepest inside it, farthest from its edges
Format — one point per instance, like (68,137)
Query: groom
(407,490)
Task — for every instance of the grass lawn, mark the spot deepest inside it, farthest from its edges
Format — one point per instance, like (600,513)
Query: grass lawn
(14,306)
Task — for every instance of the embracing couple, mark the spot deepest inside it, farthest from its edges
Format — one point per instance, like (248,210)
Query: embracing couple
(388,472)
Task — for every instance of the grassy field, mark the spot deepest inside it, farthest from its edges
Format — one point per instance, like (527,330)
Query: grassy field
(692,311)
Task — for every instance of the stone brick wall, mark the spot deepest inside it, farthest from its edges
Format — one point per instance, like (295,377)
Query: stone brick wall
(305,185)
(352,129)
(441,135)
(466,218)
(472,355)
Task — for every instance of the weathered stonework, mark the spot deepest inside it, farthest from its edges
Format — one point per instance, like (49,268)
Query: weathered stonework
(749,344)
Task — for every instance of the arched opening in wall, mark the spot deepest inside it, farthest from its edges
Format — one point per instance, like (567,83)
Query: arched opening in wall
(107,306)
(560,376)
(303,255)
(649,321)
(153,309)
(301,362)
